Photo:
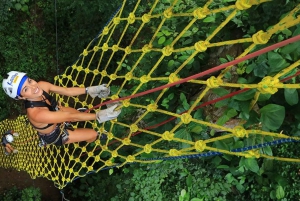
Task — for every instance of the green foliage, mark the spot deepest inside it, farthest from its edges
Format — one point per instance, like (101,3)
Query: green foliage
(28,43)
(160,181)
(28,194)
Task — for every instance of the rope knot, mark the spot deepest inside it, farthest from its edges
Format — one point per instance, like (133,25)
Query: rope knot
(144,79)
(201,46)
(128,50)
(113,76)
(128,76)
(151,107)
(114,97)
(253,154)
(114,154)
(130,158)
(97,142)
(105,47)
(260,37)
(174,152)
(110,135)
(96,71)
(146,48)
(200,13)
(105,30)
(126,141)
(243,4)
(85,52)
(79,68)
(115,48)
(147,148)
(146,18)
(168,13)
(117,20)
(239,131)
(200,145)
(134,128)
(168,136)
(86,70)
(131,18)
(104,148)
(186,118)
(213,82)
(167,51)
(108,163)
(269,85)
(97,158)
(96,48)
(126,103)
(103,73)
(173,78)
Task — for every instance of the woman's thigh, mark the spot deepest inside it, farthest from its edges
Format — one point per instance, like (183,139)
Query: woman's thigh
(82,134)
(8,149)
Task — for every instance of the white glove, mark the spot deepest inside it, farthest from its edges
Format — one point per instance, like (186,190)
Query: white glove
(108,114)
(101,91)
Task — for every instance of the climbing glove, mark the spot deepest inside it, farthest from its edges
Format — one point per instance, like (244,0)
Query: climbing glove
(102,91)
(108,114)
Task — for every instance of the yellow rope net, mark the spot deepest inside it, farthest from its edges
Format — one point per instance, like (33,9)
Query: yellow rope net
(120,56)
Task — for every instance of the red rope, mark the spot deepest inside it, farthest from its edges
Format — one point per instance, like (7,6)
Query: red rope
(220,67)
(212,70)
(203,105)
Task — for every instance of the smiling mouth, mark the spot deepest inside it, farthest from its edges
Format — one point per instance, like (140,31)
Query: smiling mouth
(37,89)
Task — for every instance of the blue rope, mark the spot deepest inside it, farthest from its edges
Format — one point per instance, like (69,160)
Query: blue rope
(214,153)
(207,154)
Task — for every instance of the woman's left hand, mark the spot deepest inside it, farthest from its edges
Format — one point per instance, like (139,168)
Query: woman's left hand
(102,91)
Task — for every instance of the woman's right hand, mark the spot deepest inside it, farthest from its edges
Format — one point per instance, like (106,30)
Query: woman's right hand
(108,114)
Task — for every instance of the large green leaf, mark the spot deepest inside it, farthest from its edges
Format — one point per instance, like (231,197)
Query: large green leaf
(247,95)
(264,97)
(184,102)
(221,145)
(268,151)
(251,164)
(268,164)
(290,48)
(272,116)
(279,192)
(209,19)
(189,180)
(184,134)
(261,70)
(291,96)
(195,128)
(276,62)
(161,40)
(220,91)
(293,46)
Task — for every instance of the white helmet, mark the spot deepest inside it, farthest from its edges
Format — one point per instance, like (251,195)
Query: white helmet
(13,84)
(9,138)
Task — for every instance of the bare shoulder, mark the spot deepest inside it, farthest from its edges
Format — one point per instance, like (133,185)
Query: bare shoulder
(35,114)
(46,86)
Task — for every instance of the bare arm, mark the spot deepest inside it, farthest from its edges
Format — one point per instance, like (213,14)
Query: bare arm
(46,116)
(67,91)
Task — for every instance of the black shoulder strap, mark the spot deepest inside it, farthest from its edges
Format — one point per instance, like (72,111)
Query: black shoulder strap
(51,99)
(32,104)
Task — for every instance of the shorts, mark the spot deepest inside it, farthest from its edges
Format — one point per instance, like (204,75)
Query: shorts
(59,136)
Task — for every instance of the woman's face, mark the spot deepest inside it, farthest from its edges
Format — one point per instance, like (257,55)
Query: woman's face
(30,89)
